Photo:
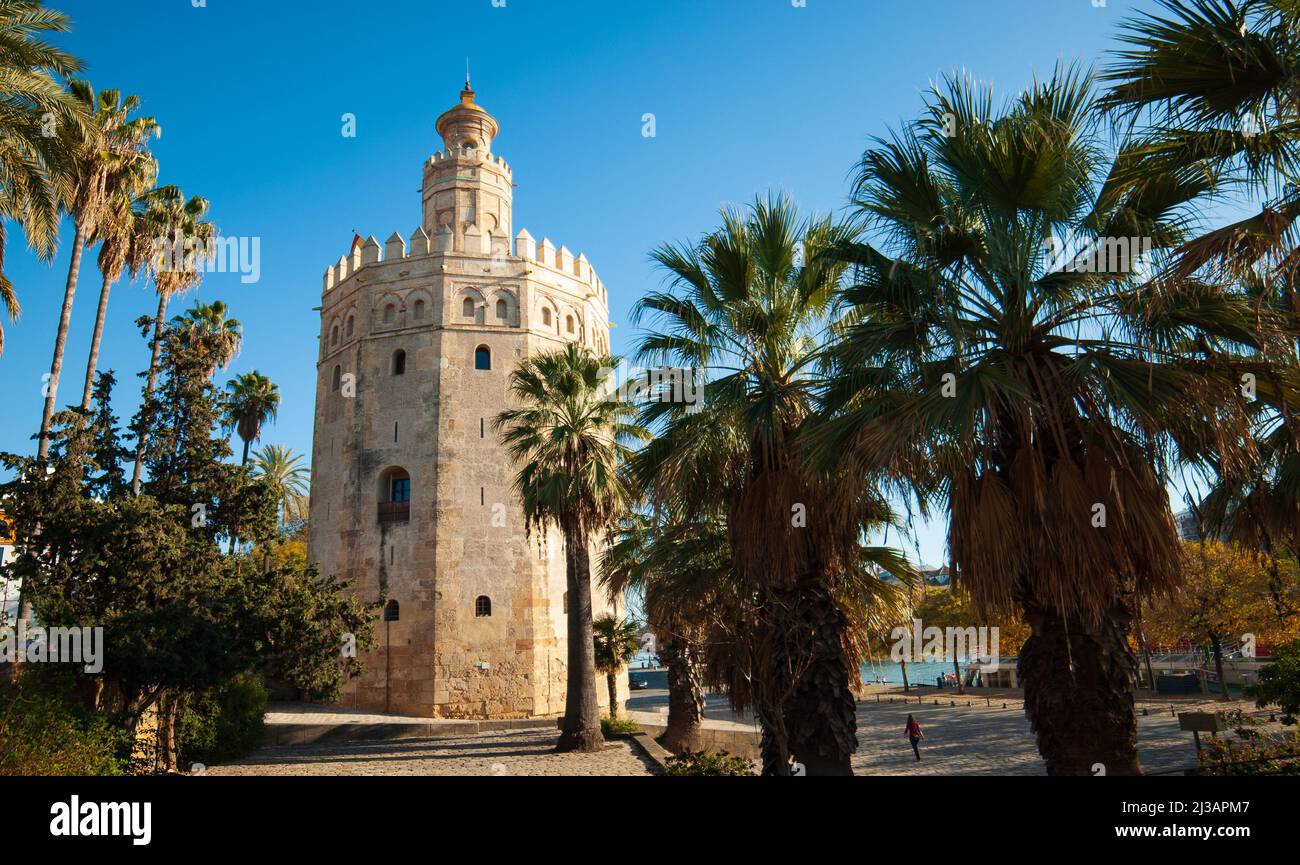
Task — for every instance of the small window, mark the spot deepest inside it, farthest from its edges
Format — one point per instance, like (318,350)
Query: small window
(419,310)
(338,377)
(392,611)
(566,603)
(482,357)
(334,335)
(483,607)
(351,328)
(390,314)
(400,489)
(546,317)
(503,310)
(568,324)
(399,362)
(467,308)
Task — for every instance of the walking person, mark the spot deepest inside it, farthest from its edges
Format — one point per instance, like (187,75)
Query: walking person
(915,734)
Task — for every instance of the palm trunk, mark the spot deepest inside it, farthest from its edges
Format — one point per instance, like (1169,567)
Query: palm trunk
(149,389)
(1078,680)
(92,364)
(1218,666)
(902,667)
(234,539)
(581,730)
(819,709)
(611,682)
(956,665)
(685,696)
(61,340)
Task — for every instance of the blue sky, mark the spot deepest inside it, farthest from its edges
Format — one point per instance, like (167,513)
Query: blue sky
(749,95)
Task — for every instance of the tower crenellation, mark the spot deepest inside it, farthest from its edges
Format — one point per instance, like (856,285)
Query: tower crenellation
(413,498)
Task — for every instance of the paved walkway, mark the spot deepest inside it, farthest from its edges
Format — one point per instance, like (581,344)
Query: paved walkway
(514,752)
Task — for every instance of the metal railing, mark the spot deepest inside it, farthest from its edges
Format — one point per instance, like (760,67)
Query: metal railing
(394,512)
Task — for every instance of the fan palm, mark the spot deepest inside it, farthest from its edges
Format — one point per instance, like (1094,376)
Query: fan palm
(214,336)
(1032,385)
(1218,82)
(35,165)
(178,240)
(290,481)
(748,303)
(616,643)
(655,559)
(570,442)
(109,153)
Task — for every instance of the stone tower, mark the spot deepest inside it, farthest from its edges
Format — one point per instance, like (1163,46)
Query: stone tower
(412,496)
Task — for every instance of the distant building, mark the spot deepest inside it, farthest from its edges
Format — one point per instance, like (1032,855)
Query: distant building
(1189,528)
(8,588)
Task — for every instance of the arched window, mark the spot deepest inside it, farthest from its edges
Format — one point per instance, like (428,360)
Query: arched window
(351,326)
(399,362)
(394,496)
(467,307)
(390,314)
(482,357)
(483,607)
(334,335)
(392,611)
(568,324)
(546,317)
(338,377)
(503,310)
(419,310)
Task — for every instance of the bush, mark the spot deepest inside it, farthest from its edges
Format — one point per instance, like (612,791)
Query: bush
(1279,682)
(44,732)
(612,727)
(708,763)
(1256,755)
(224,724)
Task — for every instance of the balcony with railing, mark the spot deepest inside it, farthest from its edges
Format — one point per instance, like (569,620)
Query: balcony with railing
(394,512)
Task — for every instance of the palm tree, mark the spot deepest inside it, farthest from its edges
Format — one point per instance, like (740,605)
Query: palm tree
(120,232)
(290,481)
(639,562)
(749,304)
(570,441)
(35,165)
(252,400)
(1219,86)
(109,153)
(616,643)
(216,337)
(989,362)
(179,241)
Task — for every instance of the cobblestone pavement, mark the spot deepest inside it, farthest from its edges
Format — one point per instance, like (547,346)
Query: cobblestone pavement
(974,740)
(514,752)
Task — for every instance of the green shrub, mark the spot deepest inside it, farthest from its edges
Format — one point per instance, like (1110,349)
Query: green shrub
(44,732)
(708,763)
(612,727)
(1279,682)
(224,724)
(1254,755)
